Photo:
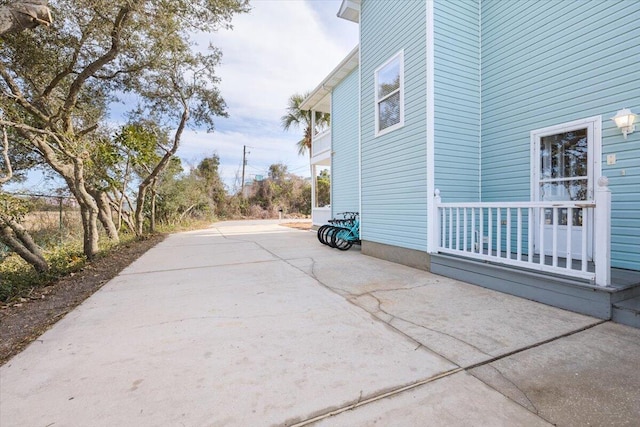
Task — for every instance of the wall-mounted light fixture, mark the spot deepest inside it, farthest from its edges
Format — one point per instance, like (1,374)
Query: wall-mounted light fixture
(624,120)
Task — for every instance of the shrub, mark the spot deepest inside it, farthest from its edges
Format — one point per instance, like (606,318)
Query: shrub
(19,278)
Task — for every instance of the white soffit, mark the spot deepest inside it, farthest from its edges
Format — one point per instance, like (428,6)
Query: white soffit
(350,10)
(320,98)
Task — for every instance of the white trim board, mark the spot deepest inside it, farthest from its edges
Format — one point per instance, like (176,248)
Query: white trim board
(430,46)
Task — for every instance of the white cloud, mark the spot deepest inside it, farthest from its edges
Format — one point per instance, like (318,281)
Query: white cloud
(280,48)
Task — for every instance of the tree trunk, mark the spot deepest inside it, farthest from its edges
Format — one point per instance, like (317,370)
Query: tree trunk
(90,230)
(5,156)
(127,215)
(162,164)
(89,213)
(88,208)
(74,177)
(137,216)
(16,237)
(152,223)
(105,215)
(125,181)
(118,208)
(183,214)
(128,220)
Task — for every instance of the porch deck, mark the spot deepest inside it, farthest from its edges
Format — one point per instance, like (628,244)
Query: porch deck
(573,294)
(620,278)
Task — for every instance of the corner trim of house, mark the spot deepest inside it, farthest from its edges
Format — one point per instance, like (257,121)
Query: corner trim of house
(409,257)
(430,121)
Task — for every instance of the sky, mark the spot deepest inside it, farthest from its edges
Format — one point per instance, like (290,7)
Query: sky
(279,48)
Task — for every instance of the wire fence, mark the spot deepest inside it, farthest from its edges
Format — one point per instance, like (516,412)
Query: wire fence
(51,219)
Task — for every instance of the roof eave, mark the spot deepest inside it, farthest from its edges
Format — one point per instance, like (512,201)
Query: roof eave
(317,99)
(350,10)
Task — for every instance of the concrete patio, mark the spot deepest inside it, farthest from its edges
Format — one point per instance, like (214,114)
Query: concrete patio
(255,324)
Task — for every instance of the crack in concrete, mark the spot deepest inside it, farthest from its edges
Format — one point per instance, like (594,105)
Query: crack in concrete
(372,398)
(332,412)
(260,316)
(231,264)
(445,334)
(389,323)
(534,345)
(379,304)
(396,317)
(502,375)
(404,288)
(536,411)
(349,407)
(314,277)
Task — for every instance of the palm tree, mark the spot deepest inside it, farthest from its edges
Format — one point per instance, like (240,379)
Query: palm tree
(296,118)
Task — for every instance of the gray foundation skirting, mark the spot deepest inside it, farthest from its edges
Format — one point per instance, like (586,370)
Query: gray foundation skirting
(409,257)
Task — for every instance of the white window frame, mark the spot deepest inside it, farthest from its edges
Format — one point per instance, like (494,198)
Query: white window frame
(377,101)
(595,150)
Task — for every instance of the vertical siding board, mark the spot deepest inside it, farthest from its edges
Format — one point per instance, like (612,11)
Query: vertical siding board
(394,209)
(537,73)
(344,145)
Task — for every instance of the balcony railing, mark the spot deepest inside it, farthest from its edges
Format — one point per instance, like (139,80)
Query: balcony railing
(321,142)
(554,237)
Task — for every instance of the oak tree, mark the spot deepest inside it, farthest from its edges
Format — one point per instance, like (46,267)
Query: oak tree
(57,85)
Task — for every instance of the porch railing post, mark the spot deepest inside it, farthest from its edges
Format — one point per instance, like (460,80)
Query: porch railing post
(602,231)
(434,235)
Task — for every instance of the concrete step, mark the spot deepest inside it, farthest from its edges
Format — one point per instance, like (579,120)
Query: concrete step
(627,312)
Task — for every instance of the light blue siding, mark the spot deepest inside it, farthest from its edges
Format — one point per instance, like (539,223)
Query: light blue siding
(547,63)
(344,146)
(457,99)
(394,175)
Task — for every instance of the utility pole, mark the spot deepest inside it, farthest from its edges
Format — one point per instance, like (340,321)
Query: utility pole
(244,164)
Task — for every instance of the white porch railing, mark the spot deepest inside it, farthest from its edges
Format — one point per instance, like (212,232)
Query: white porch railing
(321,142)
(554,237)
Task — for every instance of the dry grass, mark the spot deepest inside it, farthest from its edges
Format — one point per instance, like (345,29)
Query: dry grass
(51,220)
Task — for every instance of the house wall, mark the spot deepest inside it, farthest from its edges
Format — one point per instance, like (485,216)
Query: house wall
(345,174)
(547,63)
(394,175)
(457,100)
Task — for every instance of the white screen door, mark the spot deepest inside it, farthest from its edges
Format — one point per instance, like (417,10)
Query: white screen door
(563,170)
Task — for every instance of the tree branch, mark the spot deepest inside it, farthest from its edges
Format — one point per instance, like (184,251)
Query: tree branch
(5,154)
(117,73)
(18,238)
(92,68)
(45,149)
(28,128)
(64,73)
(17,94)
(87,130)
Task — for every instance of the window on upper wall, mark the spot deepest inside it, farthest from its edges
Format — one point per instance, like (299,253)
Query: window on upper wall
(389,81)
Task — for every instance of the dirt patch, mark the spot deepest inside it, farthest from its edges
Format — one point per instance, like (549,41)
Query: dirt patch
(298,225)
(24,320)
